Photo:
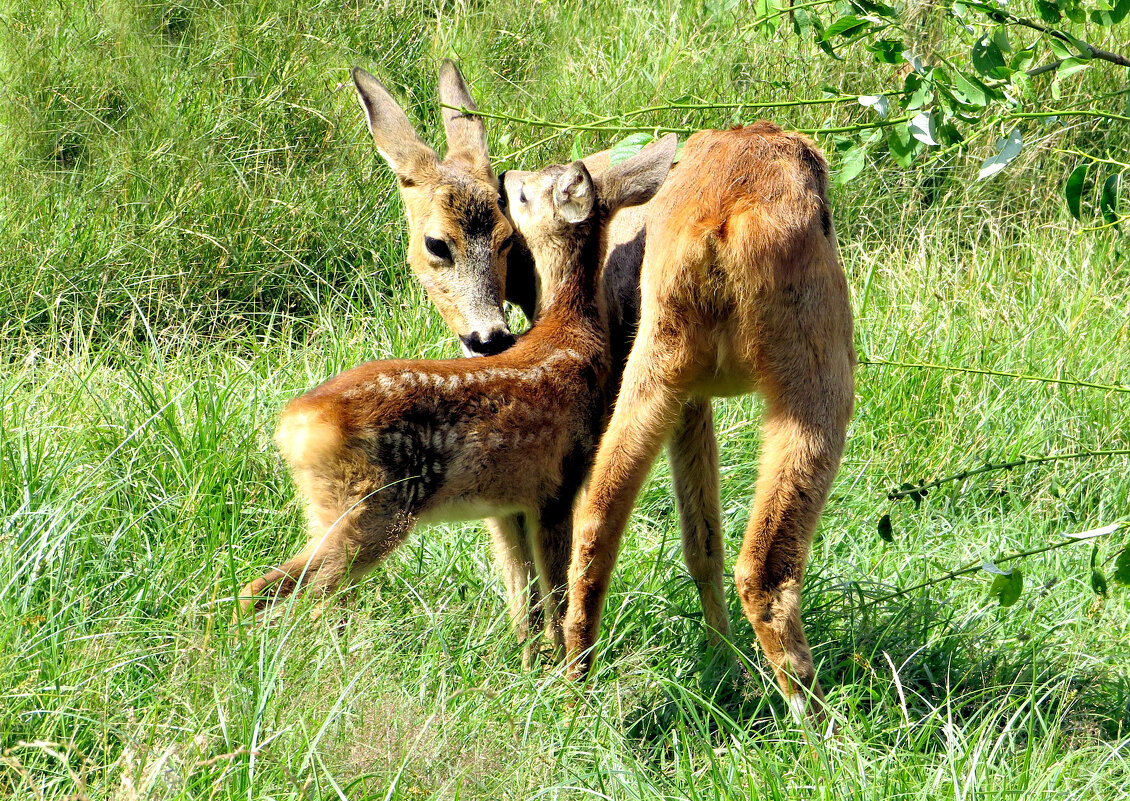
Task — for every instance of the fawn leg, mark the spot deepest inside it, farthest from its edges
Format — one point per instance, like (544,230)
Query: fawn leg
(356,537)
(323,562)
(693,453)
(553,547)
(514,553)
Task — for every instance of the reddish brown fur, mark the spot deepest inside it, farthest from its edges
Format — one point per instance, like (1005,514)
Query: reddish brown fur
(387,444)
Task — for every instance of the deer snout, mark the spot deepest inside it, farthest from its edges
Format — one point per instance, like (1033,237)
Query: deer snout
(494,341)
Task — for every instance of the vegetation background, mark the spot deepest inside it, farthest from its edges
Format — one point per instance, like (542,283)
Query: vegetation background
(194,227)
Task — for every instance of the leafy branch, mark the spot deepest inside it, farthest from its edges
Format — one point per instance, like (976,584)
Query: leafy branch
(1013,587)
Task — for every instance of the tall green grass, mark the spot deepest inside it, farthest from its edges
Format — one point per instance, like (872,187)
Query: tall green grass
(194,229)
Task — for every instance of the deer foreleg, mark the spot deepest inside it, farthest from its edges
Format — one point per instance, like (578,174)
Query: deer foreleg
(513,551)
(644,413)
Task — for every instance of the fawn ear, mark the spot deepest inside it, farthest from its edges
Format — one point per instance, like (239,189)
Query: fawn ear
(573,194)
(636,180)
(466,134)
(393,134)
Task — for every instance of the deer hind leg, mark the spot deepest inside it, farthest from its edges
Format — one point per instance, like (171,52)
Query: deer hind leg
(553,547)
(803,443)
(648,404)
(354,523)
(693,453)
(513,551)
(322,564)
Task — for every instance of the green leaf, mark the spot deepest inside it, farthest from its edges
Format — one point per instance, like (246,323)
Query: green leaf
(988,58)
(1022,59)
(918,91)
(802,21)
(1122,567)
(575,153)
(1007,587)
(1048,11)
(880,103)
(1000,38)
(628,147)
(822,39)
(1007,150)
(1073,189)
(902,146)
(1098,581)
(851,165)
(846,26)
(1108,200)
(1082,49)
(972,91)
(1111,16)
(1059,49)
(885,533)
(879,9)
(923,129)
(1073,9)
(1070,66)
(888,51)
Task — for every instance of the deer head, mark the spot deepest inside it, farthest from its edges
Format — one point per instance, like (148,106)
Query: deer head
(459,237)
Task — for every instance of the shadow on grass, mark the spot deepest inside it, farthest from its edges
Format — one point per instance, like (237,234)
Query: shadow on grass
(946,656)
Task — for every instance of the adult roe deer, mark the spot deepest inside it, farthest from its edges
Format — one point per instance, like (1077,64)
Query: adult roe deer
(388,444)
(739,288)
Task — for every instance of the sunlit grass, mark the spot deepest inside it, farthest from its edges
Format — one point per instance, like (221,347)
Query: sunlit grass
(195,229)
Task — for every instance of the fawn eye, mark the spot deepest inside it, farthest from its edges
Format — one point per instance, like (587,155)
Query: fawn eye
(522,194)
(438,248)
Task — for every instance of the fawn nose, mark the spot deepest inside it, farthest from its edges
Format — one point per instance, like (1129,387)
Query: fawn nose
(493,342)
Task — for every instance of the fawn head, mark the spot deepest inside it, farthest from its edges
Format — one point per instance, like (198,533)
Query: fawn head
(459,237)
(554,209)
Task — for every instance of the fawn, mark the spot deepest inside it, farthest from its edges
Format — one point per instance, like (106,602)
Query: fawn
(390,444)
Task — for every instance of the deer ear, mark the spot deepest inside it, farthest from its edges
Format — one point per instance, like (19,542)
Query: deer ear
(573,194)
(466,134)
(393,134)
(636,180)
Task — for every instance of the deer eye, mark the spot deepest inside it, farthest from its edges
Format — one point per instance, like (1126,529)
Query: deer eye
(522,194)
(438,248)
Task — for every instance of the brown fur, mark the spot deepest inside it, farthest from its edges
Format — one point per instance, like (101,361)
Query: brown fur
(741,290)
(732,276)
(385,445)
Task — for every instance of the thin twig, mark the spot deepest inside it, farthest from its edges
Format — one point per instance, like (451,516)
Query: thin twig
(867,360)
(898,493)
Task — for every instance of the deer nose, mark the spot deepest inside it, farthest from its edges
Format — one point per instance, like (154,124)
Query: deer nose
(494,342)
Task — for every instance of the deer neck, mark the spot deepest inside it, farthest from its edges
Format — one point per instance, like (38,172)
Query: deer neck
(568,273)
